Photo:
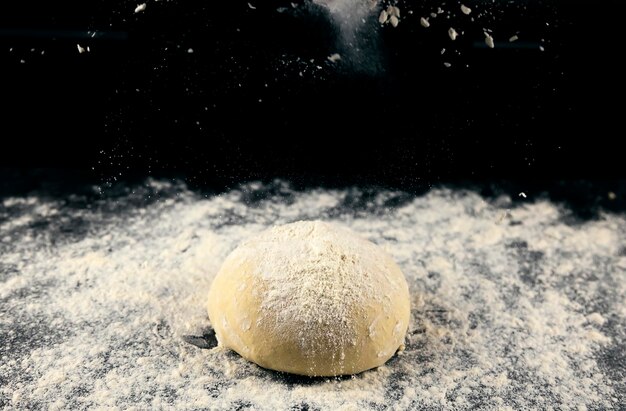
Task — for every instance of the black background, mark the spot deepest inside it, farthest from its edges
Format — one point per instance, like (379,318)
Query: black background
(237,108)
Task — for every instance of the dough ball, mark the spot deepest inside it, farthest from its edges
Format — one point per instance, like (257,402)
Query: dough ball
(310,298)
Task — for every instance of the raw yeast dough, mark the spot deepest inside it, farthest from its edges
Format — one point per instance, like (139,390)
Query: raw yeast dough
(310,298)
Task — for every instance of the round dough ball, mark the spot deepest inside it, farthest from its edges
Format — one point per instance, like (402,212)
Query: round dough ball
(310,298)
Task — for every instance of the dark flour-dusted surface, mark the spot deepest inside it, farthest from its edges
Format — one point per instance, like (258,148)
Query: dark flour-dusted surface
(513,306)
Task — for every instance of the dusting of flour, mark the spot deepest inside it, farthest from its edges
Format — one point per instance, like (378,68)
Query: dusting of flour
(304,276)
(318,286)
(513,306)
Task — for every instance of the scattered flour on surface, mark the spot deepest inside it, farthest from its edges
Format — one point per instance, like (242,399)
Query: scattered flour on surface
(522,311)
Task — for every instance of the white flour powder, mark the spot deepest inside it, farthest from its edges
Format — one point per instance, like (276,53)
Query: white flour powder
(511,310)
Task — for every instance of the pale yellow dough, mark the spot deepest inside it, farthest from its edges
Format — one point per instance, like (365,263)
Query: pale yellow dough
(310,298)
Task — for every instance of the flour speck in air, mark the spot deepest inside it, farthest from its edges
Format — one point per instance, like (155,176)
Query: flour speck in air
(335,57)
(383,17)
(452,34)
(489,40)
(141,7)
(394,21)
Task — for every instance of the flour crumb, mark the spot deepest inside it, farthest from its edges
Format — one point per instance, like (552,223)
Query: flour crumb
(383,17)
(141,7)
(333,58)
(596,318)
(489,40)
(597,337)
(452,34)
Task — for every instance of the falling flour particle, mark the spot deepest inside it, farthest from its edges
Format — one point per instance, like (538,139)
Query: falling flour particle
(489,40)
(541,48)
(522,194)
(333,58)
(611,195)
(447,64)
(190,51)
(513,38)
(383,17)
(390,15)
(140,8)
(466,10)
(81,49)
(452,33)
(424,22)
(251,6)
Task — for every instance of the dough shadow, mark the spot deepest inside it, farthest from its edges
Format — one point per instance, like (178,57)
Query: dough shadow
(305,380)
(208,340)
